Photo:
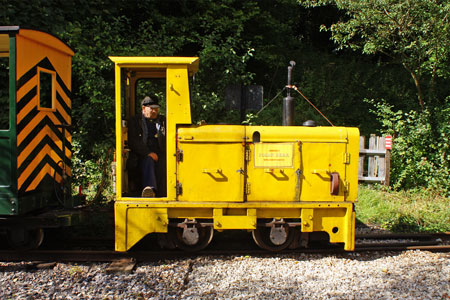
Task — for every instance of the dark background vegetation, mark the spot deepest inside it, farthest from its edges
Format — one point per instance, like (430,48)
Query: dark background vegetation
(252,42)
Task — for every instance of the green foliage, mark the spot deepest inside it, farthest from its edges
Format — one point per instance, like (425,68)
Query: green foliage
(92,175)
(93,85)
(419,210)
(336,85)
(232,38)
(248,42)
(415,34)
(421,148)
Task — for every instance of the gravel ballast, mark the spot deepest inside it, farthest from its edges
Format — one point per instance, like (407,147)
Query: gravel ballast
(406,275)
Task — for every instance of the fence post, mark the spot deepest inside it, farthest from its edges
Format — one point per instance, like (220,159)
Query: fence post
(372,166)
(362,157)
(381,159)
(388,167)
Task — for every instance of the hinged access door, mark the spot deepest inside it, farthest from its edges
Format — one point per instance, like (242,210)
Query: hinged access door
(322,163)
(212,164)
(273,165)
(299,163)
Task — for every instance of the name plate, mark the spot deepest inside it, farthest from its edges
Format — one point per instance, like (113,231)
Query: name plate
(274,155)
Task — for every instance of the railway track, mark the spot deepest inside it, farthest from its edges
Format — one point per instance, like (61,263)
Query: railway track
(365,243)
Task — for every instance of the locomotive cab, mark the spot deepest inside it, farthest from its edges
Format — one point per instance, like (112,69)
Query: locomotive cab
(173,74)
(280,182)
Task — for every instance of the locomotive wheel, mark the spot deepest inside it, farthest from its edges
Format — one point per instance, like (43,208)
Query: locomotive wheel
(165,242)
(273,238)
(25,239)
(191,238)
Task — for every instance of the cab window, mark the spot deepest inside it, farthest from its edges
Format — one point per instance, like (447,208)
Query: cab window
(46,88)
(149,87)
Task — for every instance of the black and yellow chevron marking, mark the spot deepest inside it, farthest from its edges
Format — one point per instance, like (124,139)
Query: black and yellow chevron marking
(39,140)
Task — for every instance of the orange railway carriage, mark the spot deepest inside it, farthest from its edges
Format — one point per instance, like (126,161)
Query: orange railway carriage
(35,143)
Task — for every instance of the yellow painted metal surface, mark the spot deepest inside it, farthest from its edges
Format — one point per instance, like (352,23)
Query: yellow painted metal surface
(283,134)
(273,172)
(138,219)
(316,153)
(212,163)
(178,112)
(307,218)
(233,175)
(132,223)
(156,63)
(352,167)
(319,161)
(222,221)
(176,71)
(119,134)
(338,223)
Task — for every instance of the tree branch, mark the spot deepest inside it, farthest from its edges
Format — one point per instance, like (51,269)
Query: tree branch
(417,83)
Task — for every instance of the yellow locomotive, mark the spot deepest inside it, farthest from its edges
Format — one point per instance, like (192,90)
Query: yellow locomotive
(277,181)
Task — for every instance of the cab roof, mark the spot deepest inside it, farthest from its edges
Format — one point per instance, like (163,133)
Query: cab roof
(155,62)
(37,36)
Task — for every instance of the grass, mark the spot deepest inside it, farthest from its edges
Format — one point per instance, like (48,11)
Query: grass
(403,211)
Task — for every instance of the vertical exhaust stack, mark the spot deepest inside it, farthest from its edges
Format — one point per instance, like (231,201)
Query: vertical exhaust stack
(288,101)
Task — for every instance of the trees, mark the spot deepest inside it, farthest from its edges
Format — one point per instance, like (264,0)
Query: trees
(416,35)
(252,42)
(413,33)
(234,40)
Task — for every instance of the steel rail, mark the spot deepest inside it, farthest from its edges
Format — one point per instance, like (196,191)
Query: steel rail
(422,241)
(146,256)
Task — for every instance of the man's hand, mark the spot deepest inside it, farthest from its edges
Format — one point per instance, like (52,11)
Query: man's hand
(154,156)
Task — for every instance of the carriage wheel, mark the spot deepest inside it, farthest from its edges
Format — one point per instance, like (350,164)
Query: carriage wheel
(25,239)
(191,238)
(274,238)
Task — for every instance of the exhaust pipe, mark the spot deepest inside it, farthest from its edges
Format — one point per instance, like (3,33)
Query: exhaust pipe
(288,101)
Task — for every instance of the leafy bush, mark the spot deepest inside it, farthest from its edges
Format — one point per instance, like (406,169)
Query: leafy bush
(248,42)
(92,175)
(421,147)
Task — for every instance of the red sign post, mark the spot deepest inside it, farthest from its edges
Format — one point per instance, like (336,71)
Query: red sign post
(388,146)
(388,142)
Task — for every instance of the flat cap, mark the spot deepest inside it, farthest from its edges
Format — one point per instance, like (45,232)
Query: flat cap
(152,102)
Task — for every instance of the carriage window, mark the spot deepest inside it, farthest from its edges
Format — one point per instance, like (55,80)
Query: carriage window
(4,92)
(46,88)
